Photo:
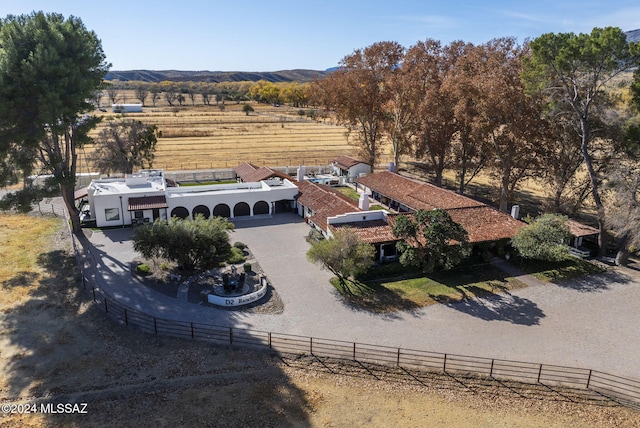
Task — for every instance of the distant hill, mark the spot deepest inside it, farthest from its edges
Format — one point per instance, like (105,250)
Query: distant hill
(633,35)
(216,76)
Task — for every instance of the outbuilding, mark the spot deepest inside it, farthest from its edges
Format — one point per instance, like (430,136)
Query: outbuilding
(126,108)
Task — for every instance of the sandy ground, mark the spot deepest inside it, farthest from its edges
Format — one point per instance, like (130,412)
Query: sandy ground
(57,347)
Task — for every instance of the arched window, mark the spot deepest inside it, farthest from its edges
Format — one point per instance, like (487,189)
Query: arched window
(222,210)
(201,209)
(241,209)
(261,207)
(180,212)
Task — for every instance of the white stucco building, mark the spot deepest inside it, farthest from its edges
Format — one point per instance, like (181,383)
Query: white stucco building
(346,166)
(145,196)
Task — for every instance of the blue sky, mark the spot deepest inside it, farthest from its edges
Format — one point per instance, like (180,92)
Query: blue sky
(249,35)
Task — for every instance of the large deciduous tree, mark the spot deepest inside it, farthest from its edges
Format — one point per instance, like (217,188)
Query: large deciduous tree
(576,68)
(470,150)
(428,65)
(430,239)
(125,145)
(358,93)
(513,117)
(49,69)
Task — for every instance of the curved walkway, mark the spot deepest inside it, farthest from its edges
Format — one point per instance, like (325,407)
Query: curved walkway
(590,323)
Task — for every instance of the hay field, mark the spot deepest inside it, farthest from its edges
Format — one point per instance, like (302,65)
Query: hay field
(204,137)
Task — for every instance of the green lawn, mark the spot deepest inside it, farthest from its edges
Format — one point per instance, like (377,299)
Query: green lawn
(405,288)
(349,192)
(410,293)
(572,267)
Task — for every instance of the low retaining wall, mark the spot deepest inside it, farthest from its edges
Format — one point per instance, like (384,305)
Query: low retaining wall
(245,299)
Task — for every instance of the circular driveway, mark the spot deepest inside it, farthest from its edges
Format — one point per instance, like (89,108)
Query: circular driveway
(590,323)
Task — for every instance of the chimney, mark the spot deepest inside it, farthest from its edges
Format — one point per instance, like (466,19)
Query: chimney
(300,174)
(363,202)
(515,212)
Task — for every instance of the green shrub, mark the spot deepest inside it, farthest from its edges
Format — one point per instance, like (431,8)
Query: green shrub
(235,256)
(164,266)
(143,269)
(247,267)
(240,245)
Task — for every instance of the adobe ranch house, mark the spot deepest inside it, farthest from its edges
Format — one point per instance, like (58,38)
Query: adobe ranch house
(145,197)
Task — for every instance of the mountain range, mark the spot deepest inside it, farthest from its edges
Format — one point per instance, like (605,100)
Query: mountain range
(299,75)
(216,76)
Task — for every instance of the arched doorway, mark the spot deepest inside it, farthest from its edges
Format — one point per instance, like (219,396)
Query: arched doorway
(180,212)
(222,210)
(201,209)
(260,207)
(241,209)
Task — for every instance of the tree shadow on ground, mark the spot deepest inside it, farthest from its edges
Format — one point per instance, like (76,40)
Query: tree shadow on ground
(595,283)
(59,347)
(20,279)
(373,297)
(499,307)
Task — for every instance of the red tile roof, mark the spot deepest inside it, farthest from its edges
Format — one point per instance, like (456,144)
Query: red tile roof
(371,231)
(485,224)
(346,162)
(413,194)
(252,174)
(244,168)
(147,203)
(482,222)
(324,202)
(578,229)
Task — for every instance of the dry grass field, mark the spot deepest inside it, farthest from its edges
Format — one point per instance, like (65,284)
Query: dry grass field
(57,346)
(204,137)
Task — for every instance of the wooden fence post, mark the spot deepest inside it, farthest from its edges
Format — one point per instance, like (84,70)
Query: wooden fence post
(155,325)
(230,335)
(398,358)
(126,319)
(311,345)
(354,351)
(444,364)
(193,336)
(539,373)
(589,378)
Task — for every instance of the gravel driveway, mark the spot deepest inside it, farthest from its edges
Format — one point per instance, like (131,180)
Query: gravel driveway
(591,323)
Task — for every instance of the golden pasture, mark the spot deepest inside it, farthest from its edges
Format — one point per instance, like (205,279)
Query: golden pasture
(204,137)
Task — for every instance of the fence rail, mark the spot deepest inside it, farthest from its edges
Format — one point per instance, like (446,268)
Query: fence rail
(623,390)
